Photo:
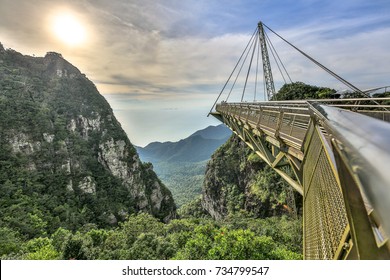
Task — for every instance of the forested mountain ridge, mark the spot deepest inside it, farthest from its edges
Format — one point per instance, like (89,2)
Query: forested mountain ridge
(197,147)
(237,179)
(72,185)
(214,132)
(65,161)
(181,165)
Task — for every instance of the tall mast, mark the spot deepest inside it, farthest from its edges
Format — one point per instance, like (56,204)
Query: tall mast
(269,81)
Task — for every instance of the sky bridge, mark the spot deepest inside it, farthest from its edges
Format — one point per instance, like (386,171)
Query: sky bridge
(334,152)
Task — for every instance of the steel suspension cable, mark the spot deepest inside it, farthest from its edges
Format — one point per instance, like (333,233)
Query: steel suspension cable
(345,82)
(273,55)
(281,62)
(265,86)
(257,69)
(231,74)
(249,68)
(242,65)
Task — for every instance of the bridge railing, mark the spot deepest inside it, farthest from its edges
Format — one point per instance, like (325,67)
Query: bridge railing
(378,108)
(361,154)
(287,121)
(312,141)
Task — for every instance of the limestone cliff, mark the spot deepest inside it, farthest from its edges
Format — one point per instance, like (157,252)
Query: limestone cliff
(238,180)
(60,139)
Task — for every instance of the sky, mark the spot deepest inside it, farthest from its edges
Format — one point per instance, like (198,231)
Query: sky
(161,64)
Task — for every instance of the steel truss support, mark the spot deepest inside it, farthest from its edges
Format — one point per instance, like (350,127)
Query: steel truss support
(343,218)
(257,141)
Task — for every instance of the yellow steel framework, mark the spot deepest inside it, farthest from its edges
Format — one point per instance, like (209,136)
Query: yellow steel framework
(325,151)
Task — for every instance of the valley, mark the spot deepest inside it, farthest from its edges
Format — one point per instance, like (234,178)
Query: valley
(181,165)
(74,187)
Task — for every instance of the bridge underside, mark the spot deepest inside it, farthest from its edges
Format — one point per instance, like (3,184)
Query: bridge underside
(301,142)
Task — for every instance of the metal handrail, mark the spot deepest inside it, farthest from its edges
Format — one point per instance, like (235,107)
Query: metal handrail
(353,151)
(365,142)
(303,103)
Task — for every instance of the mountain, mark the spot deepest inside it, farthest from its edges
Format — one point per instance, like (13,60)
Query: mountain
(219,132)
(73,187)
(195,148)
(65,161)
(237,179)
(181,165)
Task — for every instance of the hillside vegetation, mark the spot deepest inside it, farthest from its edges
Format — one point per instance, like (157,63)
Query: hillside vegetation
(65,161)
(144,237)
(73,187)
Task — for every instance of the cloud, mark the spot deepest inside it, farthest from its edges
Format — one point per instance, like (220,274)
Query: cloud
(178,54)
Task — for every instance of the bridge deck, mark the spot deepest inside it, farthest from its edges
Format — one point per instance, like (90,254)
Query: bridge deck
(296,134)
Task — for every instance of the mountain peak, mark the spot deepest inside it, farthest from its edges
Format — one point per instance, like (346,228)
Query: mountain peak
(197,147)
(59,135)
(55,55)
(56,65)
(214,132)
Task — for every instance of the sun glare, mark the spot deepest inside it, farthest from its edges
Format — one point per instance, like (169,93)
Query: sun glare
(68,29)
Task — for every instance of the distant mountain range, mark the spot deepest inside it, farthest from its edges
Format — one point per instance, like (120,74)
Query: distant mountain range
(181,165)
(197,147)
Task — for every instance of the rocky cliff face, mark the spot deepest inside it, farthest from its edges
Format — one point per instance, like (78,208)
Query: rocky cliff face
(238,180)
(59,138)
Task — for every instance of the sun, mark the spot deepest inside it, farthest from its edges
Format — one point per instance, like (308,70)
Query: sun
(68,29)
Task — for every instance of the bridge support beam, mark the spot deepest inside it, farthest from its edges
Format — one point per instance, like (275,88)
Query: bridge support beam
(261,147)
(346,199)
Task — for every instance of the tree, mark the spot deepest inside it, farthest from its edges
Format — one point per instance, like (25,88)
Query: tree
(78,247)
(10,241)
(301,91)
(41,249)
(214,243)
(138,224)
(60,237)
(149,246)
